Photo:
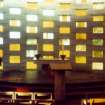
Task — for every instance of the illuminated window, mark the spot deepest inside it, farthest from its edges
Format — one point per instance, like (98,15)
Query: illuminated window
(48,57)
(1,28)
(48,35)
(48,12)
(15,23)
(98,30)
(31,1)
(81,24)
(98,6)
(80,59)
(97,66)
(1,3)
(31,53)
(64,42)
(64,6)
(31,65)
(31,41)
(14,35)
(81,1)
(48,47)
(65,52)
(80,47)
(1,16)
(14,59)
(98,18)
(97,54)
(96,1)
(14,47)
(81,36)
(49,1)
(31,5)
(65,1)
(1,53)
(15,11)
(64,30)
(31,29)
(97,42)
(64,18)
(48,24)
(32,18)
(81,12)
(1,40)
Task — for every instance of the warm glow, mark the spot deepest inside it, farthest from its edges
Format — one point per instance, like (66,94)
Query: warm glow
(75,28)
(14,59)
(1,53)
(14,47)
(31,65)
(97,66)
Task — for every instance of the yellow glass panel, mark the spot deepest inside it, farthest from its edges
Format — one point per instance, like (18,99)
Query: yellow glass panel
(1,28)
(98,6)
(65,18)
(48,57)
(31,42)
(64,42)
(81,36)
(31,65)
(1,3)
(97,54)
(97,66)
(80,59)
(97,30)
(65,52)
(14,59)
(48,24)
(81,24)
(14,23)
(64,6)
(81,1)
(1,66)
(81,12)
(98,18)
(1,53)
(48,47)
(14,47)
(64,30)
(49,1)
(80,47)
(31,29)
(31,6)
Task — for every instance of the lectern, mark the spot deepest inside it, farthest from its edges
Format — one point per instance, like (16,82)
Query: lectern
(59,69)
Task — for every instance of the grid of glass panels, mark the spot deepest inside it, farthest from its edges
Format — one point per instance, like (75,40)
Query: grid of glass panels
(52,27)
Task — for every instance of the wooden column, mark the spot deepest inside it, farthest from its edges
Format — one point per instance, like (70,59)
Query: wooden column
(59,85)
(59,69)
